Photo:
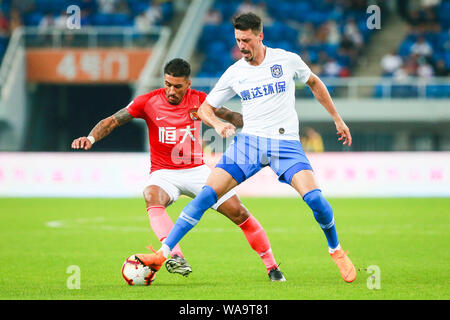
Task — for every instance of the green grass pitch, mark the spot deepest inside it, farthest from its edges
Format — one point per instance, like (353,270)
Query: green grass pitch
(408,239)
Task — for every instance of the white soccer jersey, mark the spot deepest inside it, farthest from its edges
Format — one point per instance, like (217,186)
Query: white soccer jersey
(267,93)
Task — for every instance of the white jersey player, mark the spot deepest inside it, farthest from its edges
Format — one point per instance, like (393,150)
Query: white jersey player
(264,80)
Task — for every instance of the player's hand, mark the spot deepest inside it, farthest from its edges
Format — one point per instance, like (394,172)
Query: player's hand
(225,129)
(81,143)
(343,132)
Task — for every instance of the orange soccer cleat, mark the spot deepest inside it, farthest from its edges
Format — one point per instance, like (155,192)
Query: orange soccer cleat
(346,267)
(152,260)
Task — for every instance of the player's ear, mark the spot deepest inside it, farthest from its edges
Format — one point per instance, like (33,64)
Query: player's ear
(189,83)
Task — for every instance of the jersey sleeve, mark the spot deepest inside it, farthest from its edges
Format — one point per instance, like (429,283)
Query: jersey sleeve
(301,70)
(136,107)
(222,91)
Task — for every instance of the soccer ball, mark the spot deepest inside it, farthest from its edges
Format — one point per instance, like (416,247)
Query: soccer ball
(136,274)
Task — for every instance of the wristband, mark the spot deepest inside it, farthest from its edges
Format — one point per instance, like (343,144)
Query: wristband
(91,139)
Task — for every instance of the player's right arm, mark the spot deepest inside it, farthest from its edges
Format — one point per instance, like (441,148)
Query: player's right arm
(232,117)
(207,113)
(103,128)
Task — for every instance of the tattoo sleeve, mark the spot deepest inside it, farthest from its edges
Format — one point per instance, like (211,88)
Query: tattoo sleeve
(107,125)
(122,116)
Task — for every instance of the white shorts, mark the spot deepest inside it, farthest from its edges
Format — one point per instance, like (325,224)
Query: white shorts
(188,182)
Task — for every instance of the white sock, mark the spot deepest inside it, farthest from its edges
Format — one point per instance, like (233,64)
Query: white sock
(330,250)
(165,249)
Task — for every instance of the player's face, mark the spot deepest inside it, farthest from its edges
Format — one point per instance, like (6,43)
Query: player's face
(175,88)
(249,43)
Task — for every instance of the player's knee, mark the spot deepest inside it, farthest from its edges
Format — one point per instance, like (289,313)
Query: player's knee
(239,214)
(315,200)
(152,197)
(320,206)
(202,202)
(234,210)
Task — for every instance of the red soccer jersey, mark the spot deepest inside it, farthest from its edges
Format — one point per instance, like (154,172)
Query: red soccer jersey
(173,130)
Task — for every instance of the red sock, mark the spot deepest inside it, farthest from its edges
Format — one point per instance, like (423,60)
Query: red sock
(161,225)
(257,238)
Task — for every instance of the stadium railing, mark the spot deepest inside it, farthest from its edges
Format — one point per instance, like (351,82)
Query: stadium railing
(360,87)
(13,79)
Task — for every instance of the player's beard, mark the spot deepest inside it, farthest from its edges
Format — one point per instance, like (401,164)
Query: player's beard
(249,58)
(175,101)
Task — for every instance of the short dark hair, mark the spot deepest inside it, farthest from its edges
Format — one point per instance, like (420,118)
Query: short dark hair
(247,21)
(178,68)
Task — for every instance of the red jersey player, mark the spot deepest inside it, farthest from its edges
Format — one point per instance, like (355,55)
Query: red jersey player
(177,165)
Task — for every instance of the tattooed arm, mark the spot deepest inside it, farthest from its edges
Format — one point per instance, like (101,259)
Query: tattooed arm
(234,118)
(102,129)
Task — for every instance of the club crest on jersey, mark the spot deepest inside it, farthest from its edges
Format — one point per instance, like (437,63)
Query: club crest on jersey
(193,113)
(276,70)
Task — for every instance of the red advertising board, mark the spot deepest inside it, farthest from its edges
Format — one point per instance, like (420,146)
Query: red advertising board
(85,65)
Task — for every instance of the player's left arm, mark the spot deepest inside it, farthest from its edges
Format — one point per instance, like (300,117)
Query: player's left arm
(322,95)
(206,112)
(232,117)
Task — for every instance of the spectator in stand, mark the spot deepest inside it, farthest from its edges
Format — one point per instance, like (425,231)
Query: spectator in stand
(322,57)
(431,20)
(122,7)
(331,68)
(141,22)
(409,69)
(106,6)
(154,12)
(213,17)
(414,19)
(333,36)
(4,26)
(421,47)
(306,34)
(61,20)
(317,69)
(352,32)
(424,70)
(430,4)
(24,6)
(322,33)
(47,22)
(440,69)
(390,63)
(347,49)
(258,9)
(246,6)
(15,20)
(311,141)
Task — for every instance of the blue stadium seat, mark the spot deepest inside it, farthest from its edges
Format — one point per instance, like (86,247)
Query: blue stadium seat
(405,48)
(279,34)
(33,19)
(120,19)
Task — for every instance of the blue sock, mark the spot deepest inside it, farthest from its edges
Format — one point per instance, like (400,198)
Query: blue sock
(323,213)
(191,215)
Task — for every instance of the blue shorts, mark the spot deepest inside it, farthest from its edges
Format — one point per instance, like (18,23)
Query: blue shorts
(248,154)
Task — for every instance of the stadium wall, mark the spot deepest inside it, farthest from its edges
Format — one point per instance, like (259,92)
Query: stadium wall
(372,110)
(355,174)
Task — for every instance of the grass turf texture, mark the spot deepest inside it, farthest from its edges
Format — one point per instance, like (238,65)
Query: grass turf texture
(407,239)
